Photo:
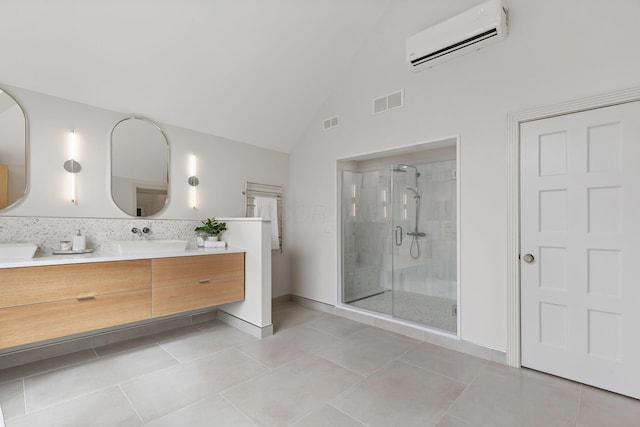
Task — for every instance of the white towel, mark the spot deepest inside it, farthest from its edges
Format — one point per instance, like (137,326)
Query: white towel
(215,244)
(1,418)
(267,208)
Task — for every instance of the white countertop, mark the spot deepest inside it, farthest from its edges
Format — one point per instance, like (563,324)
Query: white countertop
(105,256)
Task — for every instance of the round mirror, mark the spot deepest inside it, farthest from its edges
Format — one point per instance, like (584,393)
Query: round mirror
(139,167)
(13,151)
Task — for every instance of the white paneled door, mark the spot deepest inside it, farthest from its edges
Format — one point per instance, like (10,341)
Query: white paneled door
(580,240)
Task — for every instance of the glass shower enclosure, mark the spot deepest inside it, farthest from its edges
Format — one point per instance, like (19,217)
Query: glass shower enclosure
(399,245)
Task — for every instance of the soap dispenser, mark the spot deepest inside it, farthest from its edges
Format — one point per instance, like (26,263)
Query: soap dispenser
(79,242)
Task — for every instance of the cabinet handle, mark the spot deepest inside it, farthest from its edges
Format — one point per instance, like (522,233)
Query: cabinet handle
(85,297)
(204,280)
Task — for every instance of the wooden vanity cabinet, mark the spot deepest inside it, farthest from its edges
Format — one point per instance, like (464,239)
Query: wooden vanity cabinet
(190,283)
(40,303)
(46,302)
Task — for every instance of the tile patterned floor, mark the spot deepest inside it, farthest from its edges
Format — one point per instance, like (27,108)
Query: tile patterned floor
(317,370)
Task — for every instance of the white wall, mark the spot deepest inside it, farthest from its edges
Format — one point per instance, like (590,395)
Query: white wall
(224,166)
(556,51)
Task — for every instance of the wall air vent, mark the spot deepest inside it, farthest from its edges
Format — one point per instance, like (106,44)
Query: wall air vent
(388,102)
(331,123)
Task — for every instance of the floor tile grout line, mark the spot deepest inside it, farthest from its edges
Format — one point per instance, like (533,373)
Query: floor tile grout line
(579,404)
(24,396)
(446,412)
(340,365)
(300,418)
(205,355)
(254,359)
(440,374)
(343,337)
(71,399)
(268,372)
(350,416)
(171,354)
(345,392)
(46,371)
(135,410)
(237,408)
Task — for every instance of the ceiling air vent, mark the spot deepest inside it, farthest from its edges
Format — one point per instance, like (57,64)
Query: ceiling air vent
(388,102)
(331,123)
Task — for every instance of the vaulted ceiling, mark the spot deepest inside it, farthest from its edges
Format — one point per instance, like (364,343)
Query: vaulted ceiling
(255,71)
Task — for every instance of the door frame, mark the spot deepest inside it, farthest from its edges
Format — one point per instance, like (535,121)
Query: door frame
(514,120)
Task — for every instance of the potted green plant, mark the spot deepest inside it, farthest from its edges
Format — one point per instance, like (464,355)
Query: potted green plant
(211,227)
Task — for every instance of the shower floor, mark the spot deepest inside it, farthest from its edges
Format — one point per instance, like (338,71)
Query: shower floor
(435,312)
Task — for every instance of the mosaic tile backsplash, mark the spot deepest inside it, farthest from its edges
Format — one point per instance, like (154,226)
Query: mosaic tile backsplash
(47,232)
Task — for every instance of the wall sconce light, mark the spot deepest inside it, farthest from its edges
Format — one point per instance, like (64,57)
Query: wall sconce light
(193,180)
(72,166)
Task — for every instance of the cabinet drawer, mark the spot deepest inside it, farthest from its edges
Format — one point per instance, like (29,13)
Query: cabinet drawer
(27,324)
(33,285)
(175,299)
(194,269)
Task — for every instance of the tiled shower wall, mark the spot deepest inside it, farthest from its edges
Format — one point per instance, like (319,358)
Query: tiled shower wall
(368,232)
(47,232)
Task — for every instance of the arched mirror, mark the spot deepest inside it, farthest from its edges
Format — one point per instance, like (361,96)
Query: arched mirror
(13,151)
(139,167)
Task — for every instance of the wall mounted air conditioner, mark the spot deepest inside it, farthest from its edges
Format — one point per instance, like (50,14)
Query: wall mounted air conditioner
(469,31)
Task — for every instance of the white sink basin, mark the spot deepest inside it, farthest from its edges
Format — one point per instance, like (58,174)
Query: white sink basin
(17,250)
(125,247)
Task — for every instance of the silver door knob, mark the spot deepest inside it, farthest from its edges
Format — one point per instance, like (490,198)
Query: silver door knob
(528,258)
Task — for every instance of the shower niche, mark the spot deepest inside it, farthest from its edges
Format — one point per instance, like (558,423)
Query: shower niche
(399,242)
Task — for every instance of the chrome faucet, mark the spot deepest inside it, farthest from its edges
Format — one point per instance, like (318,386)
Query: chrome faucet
(139,232)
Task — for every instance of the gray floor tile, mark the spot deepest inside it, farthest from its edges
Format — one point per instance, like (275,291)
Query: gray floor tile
(338,326)
(400,395)
(282,305)
(601,408)
(319,364)
(368,350)
(212,411)
(12,399)
(66,383)
(503,396)
(287,345)
(105,408)
(455,365)
(205,343)
(294,316)
(291,391)
(327,416)
(41,366)
(145,341)
(449,421)
(162,392)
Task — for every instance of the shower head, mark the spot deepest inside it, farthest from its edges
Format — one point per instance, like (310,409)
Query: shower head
(398,170)
(414,191)
(404,167)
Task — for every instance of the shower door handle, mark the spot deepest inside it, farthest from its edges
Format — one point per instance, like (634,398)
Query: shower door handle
(398,240)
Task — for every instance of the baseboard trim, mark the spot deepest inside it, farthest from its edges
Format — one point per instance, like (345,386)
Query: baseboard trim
(244,326)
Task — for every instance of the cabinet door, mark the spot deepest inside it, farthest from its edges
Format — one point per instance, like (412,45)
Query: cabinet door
(193,296)
(191,283)
(37,322)
(34,285)
(194,269)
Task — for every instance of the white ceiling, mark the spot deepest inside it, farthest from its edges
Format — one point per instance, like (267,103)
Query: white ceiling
(255,71)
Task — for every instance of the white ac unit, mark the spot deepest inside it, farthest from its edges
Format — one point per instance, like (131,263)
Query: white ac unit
(468,31)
